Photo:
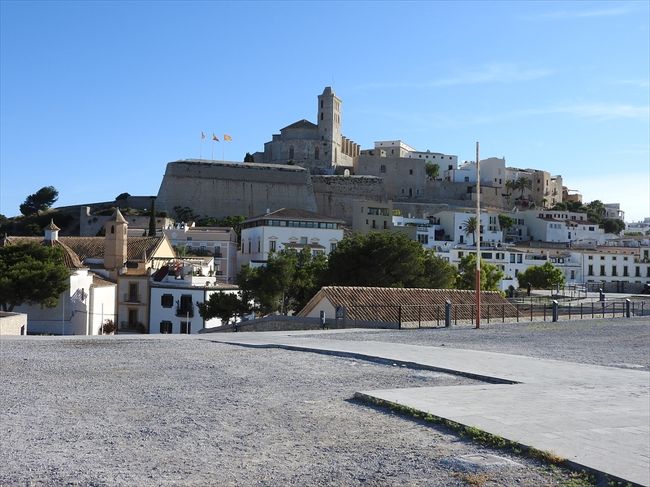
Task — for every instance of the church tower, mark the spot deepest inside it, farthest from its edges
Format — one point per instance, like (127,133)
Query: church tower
(329,126)
(115,254)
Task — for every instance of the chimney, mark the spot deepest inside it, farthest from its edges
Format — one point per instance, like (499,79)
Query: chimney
(51,233)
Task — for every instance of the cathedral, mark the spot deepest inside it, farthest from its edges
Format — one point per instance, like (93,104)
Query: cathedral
(319,147)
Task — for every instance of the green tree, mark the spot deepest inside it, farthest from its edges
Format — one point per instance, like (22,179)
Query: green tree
(152,218)
(122,196)
(511,186)
(43,199)
(285,284)
(432,170)
(491,275)
(545,276)
(222,305)
(438,273)
(506,222)
(249,157)
(613,225)
(522,184)
(469,227)
(596,211)
(33,274)
(384,259)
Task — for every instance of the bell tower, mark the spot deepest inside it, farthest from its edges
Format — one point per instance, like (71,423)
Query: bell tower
(115,240)
(329,125)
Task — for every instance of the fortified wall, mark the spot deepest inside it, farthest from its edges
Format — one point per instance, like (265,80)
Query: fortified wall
(220,189)
(335,194)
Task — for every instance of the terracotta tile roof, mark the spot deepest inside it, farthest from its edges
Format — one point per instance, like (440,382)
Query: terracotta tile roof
(93,247)
(99,281)
(70,257)
(383,303)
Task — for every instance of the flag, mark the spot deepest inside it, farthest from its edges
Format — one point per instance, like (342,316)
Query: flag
(202,135)
(227,138)
(215,138)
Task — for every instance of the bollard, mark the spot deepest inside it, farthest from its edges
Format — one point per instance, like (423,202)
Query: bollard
(555,310)
(627,308)
(447,313)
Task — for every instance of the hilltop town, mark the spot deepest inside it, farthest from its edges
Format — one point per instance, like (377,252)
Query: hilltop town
(148,270)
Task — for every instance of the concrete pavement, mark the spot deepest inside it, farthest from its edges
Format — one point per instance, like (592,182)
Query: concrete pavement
(593,416)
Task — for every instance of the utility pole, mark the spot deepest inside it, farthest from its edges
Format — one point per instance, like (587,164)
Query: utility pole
(478,239)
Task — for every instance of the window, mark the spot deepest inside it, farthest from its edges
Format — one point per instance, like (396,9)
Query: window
(165,327)
(186,327)
(573,275)
(625,271)
(272,245)
(590,272)
(321,115)
(291,152)
(614,271)
(520,258)
(259,246)
(411,171)
(385,225)
(638,272)
(166,300)
(602,270)
(185,307)
(512,258)
(249,246)
(332,246)
(133,292)
(303,240)
(316,152)
(382,168)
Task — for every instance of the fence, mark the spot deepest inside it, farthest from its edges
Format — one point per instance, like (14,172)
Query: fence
(432,316)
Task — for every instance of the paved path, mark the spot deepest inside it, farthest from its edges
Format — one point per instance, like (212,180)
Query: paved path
(594,416)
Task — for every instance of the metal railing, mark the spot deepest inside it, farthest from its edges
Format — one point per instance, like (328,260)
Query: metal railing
(450,314)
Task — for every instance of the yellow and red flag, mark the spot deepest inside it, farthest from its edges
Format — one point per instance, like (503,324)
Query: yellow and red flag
(227,138)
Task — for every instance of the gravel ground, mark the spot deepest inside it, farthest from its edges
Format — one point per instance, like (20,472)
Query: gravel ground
(181,411)
(620,342)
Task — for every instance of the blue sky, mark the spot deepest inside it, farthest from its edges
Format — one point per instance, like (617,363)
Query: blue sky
(96,97)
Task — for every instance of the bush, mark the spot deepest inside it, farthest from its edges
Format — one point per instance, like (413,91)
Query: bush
(109,327)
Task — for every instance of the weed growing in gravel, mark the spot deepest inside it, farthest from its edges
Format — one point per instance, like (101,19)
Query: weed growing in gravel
(577,479)
(474,479)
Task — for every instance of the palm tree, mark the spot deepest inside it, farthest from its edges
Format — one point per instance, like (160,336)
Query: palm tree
(523,184)
(469,227)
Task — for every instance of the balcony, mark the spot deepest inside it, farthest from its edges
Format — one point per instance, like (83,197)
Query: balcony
(185,311)
(131,298)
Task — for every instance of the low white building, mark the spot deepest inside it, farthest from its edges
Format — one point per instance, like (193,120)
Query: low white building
(564,227)
(454,222)
(287,229)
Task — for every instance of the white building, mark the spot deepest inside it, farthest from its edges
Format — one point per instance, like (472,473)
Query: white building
(287,229)
(397,148)
(176,291)
(493,172)
(453,223)
(563,226)
(217,242)
(83,307)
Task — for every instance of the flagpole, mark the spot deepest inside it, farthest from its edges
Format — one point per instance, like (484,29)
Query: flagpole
(223,150)
(212,155)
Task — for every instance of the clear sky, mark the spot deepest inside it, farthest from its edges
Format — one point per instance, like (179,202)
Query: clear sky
(96,97)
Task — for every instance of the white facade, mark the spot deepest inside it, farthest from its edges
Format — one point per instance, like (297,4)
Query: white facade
(563,226)
(217,242)
(78,311)
(397,148)
(288,229)
(174,308)
(493,172)
(453,223)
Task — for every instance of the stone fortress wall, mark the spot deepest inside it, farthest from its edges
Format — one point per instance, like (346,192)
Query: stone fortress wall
(220,189)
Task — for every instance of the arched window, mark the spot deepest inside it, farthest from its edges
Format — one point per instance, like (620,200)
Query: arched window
(316,152)
(112,229)
(290,152)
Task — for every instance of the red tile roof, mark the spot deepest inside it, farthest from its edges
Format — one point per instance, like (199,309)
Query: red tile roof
(383,303)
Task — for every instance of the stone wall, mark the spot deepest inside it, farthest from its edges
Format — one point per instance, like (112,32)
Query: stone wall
(13,323)
(335,194)
(221,189)
(290,323)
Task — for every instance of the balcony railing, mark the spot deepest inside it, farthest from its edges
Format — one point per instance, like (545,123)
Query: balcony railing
(185,312)
(131,298)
